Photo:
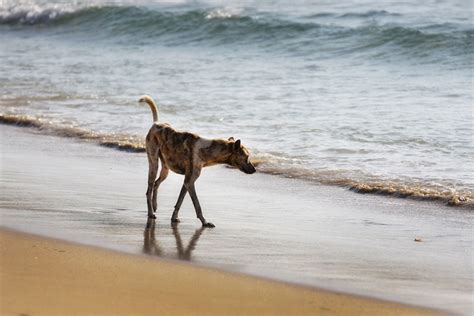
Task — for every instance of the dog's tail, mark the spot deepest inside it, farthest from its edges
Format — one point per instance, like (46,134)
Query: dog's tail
(152,104)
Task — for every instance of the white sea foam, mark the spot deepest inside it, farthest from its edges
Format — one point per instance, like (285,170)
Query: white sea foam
(224,13)
(32,12)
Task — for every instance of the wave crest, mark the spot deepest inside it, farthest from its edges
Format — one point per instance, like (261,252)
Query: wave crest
(222,26)
(31,14)
(364,183)
(119,141)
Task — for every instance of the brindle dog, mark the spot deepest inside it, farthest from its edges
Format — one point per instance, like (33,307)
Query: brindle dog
(186,154)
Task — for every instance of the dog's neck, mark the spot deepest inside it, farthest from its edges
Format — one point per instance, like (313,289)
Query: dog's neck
(218,152)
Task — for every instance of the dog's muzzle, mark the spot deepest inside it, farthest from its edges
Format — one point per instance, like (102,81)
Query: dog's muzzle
(248,169)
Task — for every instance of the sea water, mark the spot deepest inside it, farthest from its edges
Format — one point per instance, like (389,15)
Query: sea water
(374,96)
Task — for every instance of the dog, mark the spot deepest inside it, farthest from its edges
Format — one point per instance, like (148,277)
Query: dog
(186,154)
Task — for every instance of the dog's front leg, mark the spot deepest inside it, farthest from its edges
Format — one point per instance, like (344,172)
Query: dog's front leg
(182,194)
(189,184)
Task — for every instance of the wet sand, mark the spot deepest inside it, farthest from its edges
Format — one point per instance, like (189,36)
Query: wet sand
(267,226)
(45,276)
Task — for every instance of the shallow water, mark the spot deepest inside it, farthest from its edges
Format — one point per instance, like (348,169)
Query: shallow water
(267,226)
(376,97)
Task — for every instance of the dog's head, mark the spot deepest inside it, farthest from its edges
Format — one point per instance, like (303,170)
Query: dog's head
(240,157)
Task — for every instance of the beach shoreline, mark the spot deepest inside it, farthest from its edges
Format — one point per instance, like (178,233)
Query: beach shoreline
(37,270)
(316,236)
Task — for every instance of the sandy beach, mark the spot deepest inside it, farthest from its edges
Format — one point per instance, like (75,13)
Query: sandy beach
(42,276)
(276,228)
(357,116)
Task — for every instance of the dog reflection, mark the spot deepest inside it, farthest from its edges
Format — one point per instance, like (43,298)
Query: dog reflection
(151,247)
(149,242)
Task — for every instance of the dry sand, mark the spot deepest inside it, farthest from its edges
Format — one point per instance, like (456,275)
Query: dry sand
(46,276)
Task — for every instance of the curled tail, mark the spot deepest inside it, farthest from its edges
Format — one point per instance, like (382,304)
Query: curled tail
(152,104)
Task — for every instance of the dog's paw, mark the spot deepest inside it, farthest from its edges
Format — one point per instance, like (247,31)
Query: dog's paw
(175,220)
(151,216)
(210,225)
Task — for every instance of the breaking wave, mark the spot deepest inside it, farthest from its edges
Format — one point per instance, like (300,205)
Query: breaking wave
(123,142)
(229,27)
(365,183)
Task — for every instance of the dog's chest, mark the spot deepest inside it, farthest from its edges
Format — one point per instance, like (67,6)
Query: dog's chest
(176,164)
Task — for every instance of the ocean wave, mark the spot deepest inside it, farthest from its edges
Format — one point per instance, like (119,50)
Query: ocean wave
(269,164)
(123,142)
(365,183)
(220,26)
(33,14)
(368,14)
(363,15)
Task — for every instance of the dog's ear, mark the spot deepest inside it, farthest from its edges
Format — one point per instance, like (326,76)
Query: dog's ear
(237,144)
(231,139)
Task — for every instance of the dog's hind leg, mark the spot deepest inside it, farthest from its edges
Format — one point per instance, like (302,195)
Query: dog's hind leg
(152,171)
(182,194)
(163,175)
(189,184)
